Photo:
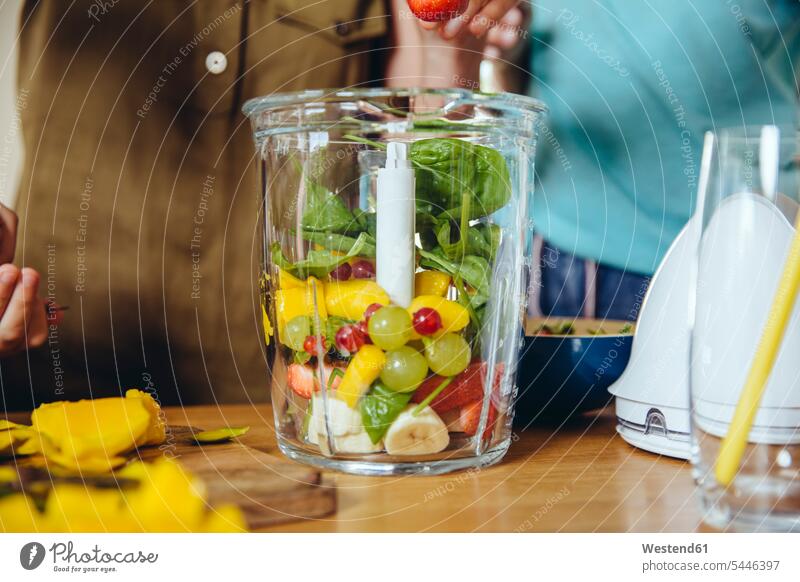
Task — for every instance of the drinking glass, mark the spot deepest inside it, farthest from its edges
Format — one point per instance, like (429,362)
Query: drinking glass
(362,382)
(747,205)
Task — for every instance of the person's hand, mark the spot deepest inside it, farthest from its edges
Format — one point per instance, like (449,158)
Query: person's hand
(480,17)
(8,234)
(23,314)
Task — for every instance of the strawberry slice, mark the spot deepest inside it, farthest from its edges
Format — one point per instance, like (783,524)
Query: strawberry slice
(471,418)
(303,381)
(465,388)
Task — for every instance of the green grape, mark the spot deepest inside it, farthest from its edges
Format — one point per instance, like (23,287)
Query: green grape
(449,355)
(404,370)
(297,330)
(390,327)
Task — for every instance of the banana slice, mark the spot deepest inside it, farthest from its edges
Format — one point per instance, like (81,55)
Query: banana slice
(356,443)
(417,435)
(347,429)
(342,419)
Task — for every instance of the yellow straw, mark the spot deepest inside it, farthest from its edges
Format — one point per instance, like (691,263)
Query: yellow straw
(733,445)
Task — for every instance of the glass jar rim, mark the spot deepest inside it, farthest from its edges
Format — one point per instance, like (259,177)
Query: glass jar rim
(505,101)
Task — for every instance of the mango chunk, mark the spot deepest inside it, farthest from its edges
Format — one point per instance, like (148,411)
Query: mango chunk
(350,299)
(361,372)
(91,435)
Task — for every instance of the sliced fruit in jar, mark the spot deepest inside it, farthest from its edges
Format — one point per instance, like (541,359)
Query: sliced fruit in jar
(433,283)
(350,299)
(370,310)
(296,301)
(423,434)
(310,345)
(379,408)
(289,303)
(341,273)
(454,316)
(390,327)
(427,321)
(471,417)
(347,432)
(289,281)
(296,331)
(302,379)
(349,339)
(363,370)
(465,388)
(363,269)
(448,355)
(404,370)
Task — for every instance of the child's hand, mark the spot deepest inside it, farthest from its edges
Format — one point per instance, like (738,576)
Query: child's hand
(479,17)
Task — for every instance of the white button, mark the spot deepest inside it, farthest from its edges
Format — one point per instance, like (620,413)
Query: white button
(216,62)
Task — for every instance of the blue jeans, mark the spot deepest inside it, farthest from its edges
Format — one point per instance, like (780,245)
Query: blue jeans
(569,286)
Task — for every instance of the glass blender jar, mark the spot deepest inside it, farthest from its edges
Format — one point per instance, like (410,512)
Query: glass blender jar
(394,273)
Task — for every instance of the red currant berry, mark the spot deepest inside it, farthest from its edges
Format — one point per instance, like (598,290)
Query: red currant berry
(370,310)
(310,344)
(362,327)
(349,339)
(341,273)
(427,321)
(363,270)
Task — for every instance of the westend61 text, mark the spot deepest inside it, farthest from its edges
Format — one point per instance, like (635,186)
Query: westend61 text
(670,549)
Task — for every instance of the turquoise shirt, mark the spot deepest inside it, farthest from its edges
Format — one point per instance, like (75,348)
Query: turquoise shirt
(632,86)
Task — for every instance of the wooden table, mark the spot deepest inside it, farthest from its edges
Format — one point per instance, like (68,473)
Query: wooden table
(579,477)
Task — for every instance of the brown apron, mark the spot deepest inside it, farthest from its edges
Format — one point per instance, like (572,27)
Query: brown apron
(138,201)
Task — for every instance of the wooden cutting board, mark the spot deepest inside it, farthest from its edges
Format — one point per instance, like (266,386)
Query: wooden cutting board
(267,490)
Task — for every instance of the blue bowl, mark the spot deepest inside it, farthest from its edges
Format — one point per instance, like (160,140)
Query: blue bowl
(560,376)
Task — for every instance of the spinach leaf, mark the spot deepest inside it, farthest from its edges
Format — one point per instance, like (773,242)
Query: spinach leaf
(449,240)
(341,243)
(379,408)
(325,211)
(318,263)
(448,167)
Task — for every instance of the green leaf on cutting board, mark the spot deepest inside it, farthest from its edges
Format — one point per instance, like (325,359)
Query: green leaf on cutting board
(220,434)
(379,408)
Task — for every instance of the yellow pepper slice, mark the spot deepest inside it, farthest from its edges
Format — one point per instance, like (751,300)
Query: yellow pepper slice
(431,283)
(363,370)
(350,299)
(455,316)
(288,281)
(289,303)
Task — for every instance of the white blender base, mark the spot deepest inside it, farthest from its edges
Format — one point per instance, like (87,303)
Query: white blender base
(658,429)
(673,446)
